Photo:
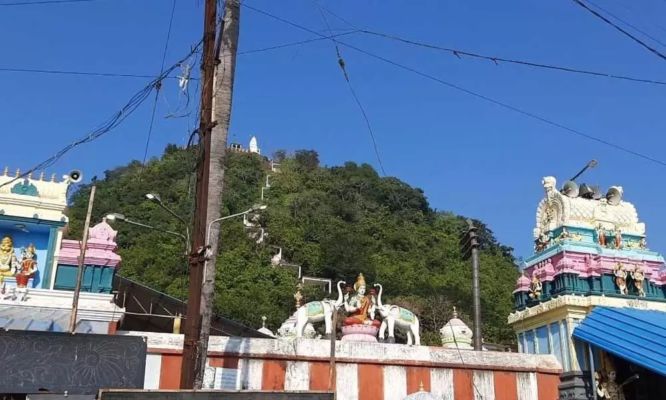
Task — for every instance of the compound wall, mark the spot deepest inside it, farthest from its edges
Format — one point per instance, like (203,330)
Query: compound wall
(363,370)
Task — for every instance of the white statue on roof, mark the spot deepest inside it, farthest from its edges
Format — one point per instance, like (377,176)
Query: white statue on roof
(557,210)
(254,146)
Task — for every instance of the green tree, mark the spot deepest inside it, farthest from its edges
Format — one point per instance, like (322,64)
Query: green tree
(333,222)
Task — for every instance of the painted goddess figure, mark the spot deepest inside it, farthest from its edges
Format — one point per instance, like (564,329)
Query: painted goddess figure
(360,307)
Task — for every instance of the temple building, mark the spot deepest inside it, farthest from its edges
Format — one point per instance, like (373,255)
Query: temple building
(593,295)
(38,267)
(128,335)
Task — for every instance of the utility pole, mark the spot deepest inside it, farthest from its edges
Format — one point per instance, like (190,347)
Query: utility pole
(82,258)
(191,345)
(469,244)
(222,100)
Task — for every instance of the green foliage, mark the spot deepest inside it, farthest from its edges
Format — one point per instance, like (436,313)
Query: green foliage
(334,222)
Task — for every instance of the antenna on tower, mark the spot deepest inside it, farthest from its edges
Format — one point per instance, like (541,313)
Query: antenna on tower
(571,188)
(590,165)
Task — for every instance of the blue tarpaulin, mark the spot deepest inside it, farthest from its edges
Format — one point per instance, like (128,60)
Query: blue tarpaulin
(38,319)
(637,336)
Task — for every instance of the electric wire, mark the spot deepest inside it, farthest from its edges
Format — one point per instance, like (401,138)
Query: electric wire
(83,73)
(42,2)
(634,27)
(495,59)
(114,121)
(121,75)
(341,63)
(158,87)
(488,99)
(624,32)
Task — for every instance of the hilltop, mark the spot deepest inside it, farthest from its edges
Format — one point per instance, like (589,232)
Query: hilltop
(332,221)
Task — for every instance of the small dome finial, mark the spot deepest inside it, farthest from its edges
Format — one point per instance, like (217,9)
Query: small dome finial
(455,313)
(263,321)
(421,387)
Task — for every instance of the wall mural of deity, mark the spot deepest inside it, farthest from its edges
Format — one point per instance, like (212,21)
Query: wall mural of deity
(11,266)
(8,261)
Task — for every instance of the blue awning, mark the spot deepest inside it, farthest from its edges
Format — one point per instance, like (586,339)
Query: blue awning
(638,336)
(38,319)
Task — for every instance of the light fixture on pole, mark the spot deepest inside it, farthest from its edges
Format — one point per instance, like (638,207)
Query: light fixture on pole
(255,208)
(122,218)
(155,198)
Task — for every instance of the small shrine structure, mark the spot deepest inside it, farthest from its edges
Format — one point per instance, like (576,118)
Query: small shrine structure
(38,268)
(591,293)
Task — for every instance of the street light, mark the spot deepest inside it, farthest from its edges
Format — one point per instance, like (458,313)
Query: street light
(255,208)
(155,198)
(122,218)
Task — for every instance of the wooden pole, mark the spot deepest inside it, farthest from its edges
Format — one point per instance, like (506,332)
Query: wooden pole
(224,85)
(82,257)
(332,373)
(191,345)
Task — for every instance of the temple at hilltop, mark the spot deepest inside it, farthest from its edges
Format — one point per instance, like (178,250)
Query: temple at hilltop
(593,294)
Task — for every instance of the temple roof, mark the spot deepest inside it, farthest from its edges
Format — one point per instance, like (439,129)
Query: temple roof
(557,210)
(29,197)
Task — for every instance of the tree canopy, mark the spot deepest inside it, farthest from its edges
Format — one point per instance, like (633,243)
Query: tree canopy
(334,222)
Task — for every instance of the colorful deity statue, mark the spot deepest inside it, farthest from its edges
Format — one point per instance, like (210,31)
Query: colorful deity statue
(639,277)
(360,307)
(535,287)
(621,278)
(27,267)
(8,261)
(542,242)
(618,238)
(609,389)
(601,236)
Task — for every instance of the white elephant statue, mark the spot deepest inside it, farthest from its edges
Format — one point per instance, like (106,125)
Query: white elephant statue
(395,316)
(318,311)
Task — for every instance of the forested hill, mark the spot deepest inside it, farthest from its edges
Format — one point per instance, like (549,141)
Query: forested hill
(333,221)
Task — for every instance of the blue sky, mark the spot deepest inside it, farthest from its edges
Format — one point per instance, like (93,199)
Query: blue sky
(469,156)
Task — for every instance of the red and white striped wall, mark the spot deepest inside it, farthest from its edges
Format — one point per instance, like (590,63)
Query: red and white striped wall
(363,370)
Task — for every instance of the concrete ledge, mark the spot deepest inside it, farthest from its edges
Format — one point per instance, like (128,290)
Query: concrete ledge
(585,302)
(356,352)
(92,306)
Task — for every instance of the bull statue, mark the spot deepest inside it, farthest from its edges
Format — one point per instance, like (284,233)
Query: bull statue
(395,316)
(318,311)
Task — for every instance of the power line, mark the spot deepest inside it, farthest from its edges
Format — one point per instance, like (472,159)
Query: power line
(496,59)
(83,73)
(472,93)
(341,63)
(121,75)
(41,2)
(632,37)
(300,42)
(458,53)
(116,119)
(634,27)
(159,84)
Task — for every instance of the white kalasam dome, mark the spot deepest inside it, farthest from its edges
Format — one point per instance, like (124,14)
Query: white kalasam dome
(422,395)
(263,328)
(455,334)
(254,145)
(288,329)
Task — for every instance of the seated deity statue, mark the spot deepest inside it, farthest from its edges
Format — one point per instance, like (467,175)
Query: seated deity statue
(360,307)
(8,262)
(28,262)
